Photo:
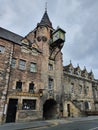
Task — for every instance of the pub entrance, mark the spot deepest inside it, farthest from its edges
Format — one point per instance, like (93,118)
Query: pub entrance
(11,111)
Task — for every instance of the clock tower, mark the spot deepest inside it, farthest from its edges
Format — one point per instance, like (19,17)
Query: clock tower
(50,41)
(47,44)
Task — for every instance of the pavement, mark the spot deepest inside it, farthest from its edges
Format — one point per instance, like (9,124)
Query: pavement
(43,123)
(24,125)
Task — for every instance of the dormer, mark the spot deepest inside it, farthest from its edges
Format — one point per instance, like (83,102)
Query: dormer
(69,68)
(29,39)
(77,71)
(84,73)
(91,75)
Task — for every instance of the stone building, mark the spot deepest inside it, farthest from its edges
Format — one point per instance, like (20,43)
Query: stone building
(33,82)
(80,91)
(31,73)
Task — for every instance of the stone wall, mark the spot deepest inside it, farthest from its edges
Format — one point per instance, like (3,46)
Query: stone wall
(5,61)
(74,91)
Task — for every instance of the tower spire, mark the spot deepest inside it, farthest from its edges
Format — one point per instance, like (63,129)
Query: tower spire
(45,21)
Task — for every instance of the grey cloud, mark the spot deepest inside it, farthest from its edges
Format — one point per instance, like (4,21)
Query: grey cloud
(77,17)
(82,43)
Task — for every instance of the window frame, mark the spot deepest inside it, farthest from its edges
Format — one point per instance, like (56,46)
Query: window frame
(72,87)
(50,67)
(19,85)
(50,83)
(31,87)
(13,63)
(2,49)
(22,64)
(80,89)
(85,90)
(29,104)
(33,67)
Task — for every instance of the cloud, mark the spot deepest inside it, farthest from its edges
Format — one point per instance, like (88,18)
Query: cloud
(20,15)
(77,17)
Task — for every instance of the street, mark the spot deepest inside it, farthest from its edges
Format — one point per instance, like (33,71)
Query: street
(80,125)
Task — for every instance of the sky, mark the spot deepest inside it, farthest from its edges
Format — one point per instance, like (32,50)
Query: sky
(79,18)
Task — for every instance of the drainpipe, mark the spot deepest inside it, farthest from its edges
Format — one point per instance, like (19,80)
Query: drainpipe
(8,75)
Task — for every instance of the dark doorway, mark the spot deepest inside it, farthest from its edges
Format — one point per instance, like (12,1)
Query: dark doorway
(68,109)
(86,105)
(50,109)
(11,111)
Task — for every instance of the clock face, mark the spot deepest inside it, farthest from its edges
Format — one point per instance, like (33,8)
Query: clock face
(56,36)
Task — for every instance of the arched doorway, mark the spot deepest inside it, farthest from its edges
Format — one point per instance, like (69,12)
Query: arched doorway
(50,109)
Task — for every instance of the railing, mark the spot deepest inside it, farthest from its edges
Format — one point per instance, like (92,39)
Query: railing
(74,100)
(78,107)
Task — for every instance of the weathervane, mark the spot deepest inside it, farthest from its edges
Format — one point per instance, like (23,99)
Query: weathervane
(46,6)
(70,62)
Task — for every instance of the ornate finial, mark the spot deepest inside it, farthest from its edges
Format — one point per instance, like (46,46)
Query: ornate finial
(84,67)
(58,27)
(70,61)
(46,7)
(91,71)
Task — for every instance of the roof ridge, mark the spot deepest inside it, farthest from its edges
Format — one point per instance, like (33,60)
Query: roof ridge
(1,28)
(8,35)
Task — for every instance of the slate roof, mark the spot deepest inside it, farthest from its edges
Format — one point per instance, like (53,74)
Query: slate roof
(10,36)
(45,21)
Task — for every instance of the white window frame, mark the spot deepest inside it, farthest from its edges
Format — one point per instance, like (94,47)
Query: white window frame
(33,67)
(50,67)
(22,64)
(50,83)
(13,64)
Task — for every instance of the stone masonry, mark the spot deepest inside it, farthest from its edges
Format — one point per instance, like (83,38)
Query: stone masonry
(34,84)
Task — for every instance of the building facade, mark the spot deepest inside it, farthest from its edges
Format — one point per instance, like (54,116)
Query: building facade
(33,82)
(31,73)
(80,95)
